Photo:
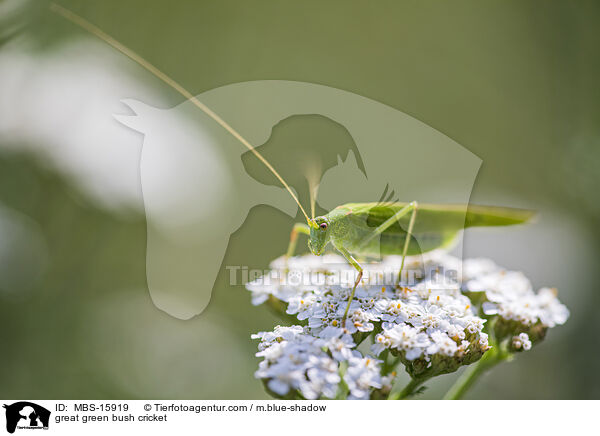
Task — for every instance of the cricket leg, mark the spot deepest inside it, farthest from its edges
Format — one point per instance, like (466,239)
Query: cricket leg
(410,207)
(356,265)
(411,223)
(298,228)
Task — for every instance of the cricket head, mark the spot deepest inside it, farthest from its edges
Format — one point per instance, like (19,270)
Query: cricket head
(319,234)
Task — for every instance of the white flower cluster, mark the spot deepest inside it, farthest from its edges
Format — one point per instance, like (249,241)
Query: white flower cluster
(521,342)
(430,324)
(295,361)
(510,296)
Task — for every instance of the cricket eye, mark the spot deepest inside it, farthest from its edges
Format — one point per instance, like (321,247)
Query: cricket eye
(323,226)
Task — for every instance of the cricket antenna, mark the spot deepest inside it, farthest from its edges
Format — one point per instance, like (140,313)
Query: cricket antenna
(83,23)
(312,174)
(312,191)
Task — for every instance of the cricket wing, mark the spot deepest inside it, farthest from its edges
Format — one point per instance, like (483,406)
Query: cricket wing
(479,216)
(437,217)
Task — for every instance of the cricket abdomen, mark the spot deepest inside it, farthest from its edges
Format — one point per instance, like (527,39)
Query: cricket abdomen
(355,232)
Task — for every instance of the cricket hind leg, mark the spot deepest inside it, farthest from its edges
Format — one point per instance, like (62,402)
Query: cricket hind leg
(415,206)
(359,268)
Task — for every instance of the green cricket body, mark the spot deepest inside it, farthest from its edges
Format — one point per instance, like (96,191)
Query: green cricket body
(350,227)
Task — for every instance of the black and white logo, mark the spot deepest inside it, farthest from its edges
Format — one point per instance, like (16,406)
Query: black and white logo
(26,415)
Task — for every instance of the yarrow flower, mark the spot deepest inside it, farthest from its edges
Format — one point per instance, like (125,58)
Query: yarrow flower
(509,296)
(521,342)
(433,324)
(363,375)
(299,364)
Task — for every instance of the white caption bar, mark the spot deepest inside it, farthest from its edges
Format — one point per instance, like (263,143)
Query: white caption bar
(23,417)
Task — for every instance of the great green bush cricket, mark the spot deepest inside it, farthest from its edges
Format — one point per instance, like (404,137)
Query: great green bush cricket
(354,229)
(370,229)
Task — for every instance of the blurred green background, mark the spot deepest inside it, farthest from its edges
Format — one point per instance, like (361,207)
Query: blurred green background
(515,82)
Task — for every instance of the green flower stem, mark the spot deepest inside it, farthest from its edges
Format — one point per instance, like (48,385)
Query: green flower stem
(408,390)
(471,374)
